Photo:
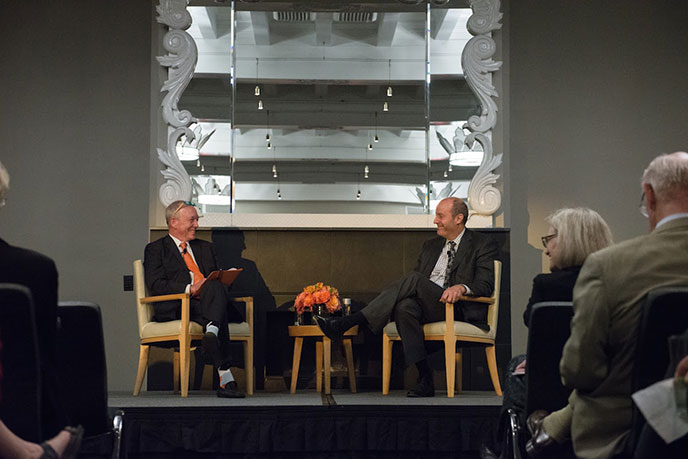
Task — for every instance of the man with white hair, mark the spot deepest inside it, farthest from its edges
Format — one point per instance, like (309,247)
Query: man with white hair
(39,274)
(598,357)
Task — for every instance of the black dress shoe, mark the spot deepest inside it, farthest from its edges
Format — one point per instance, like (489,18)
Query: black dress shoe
(540,444)
(424,388)
(230,391)
(329,326)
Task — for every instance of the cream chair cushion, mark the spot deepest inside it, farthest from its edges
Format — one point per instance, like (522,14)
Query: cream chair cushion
(438,328)
(173,327)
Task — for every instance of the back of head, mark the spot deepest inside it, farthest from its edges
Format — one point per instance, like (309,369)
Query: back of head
(668,176)
(4,184)
(580,232)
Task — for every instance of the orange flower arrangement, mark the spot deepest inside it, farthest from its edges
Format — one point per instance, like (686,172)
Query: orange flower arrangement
(317,294)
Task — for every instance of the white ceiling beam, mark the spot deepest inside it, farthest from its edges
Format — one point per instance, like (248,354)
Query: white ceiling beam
(323,29)
(442,23)
(260,22)
(387,26)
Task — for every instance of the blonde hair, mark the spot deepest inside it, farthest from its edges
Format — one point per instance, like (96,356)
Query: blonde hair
(4,184)
(580,232)
(667,174)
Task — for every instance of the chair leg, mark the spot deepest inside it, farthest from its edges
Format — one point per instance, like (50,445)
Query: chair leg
(492,366)
(350,365)
(296,361)
(184,363)
(459,371)
(450,364)
(386,363)
(248,362)
(143,364)
(318,365)
(175,372)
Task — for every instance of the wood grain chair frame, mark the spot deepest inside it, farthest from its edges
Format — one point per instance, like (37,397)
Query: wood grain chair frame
(452,335)
(182,334)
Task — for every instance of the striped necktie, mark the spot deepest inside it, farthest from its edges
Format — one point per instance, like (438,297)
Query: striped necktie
(191,264)
(450,259)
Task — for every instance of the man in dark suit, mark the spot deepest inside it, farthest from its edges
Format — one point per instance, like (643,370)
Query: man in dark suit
(459,262)
(39,274)
(179,263)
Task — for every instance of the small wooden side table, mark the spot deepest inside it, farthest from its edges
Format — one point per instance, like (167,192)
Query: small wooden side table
(323,353)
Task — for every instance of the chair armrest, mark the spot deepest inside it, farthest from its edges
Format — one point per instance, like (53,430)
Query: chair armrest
(157,299)
(449,307)
(185,307)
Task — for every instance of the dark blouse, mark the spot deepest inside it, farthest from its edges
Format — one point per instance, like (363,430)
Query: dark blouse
(555,286)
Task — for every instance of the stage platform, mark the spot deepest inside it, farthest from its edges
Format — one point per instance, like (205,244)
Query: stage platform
(305,425)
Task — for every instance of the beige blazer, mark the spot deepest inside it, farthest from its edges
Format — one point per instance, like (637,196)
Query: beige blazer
(597,361)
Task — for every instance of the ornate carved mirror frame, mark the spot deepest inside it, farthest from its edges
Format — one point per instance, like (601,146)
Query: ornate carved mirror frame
(484,195)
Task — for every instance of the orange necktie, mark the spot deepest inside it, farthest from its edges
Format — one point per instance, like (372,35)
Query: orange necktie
(191,264)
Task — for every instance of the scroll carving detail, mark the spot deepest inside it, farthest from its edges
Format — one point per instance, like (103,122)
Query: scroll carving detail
(483,197)
(181,62)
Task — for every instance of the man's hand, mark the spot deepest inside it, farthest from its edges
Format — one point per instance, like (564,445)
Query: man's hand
(452,294)
(682,370)
(193,288)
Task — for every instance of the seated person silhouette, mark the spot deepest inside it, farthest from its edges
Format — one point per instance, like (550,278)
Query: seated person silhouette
(179,263)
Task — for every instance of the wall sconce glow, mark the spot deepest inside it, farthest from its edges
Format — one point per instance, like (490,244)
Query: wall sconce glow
(187,153)
(470,158)
(214,199)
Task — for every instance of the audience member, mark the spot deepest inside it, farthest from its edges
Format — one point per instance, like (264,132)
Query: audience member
(573,234)
(597,361)
(456,263)
(179,263)
(39,274)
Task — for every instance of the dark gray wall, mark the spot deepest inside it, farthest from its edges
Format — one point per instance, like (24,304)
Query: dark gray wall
(74,108)
(597,89)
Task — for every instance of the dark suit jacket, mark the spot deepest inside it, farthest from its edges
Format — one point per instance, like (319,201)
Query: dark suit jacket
(39,274)
(166,273)
(473,266)
(555,286)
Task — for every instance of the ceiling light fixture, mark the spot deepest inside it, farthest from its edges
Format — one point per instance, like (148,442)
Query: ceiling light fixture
(385,107)
(376,139)
(274,171)
(267,129)
(389,79)
(256,90)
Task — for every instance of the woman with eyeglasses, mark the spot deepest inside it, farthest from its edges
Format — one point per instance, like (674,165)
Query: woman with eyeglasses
(573,234)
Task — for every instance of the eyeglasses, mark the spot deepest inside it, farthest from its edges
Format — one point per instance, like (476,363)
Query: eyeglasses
(545,239)
(643,205)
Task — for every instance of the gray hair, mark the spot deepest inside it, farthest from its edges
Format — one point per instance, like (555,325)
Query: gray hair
(459,207)
(580,232)
(4,184)
(173,209)
(667,174)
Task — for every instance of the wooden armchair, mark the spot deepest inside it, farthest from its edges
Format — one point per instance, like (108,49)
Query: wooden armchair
(181,334)
(451,335)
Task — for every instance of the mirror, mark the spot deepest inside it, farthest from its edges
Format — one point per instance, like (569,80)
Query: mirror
(337,107)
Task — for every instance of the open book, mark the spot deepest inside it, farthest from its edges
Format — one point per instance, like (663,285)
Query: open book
(226,276)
